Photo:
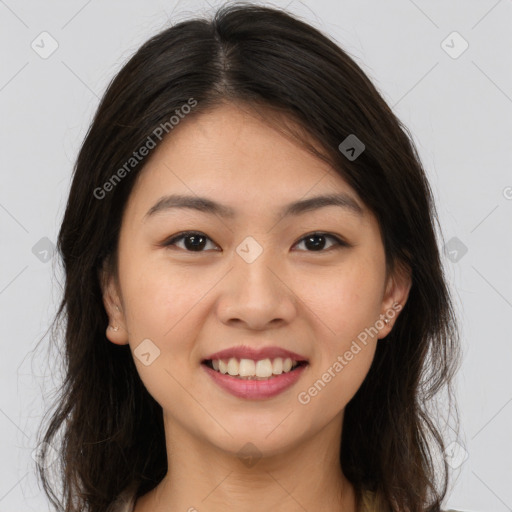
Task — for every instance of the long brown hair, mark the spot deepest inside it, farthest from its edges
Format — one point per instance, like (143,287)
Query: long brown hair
(270,61)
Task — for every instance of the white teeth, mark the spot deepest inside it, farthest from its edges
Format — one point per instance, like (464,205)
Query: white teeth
(223,367)
(233,366)
(246,368)
(264,368)
(277,366)
(261,369)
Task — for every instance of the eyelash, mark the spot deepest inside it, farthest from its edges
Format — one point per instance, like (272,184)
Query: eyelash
(338,242)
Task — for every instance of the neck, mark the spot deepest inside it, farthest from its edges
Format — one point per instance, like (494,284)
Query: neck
(200,476)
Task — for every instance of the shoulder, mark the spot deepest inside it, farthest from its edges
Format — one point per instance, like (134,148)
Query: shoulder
(370,503)
(367,501)
(125,502)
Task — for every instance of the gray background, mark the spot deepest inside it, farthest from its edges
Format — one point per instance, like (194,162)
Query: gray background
(458,108)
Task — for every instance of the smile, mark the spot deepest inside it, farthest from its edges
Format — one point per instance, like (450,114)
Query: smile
(250,379)
(250,369)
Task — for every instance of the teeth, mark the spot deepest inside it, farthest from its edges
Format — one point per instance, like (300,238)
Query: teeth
(264,368)
(277,366)
(233,366)
(247,368)
(223,367)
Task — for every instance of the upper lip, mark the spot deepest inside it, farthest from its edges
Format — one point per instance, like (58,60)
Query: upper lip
(256,354)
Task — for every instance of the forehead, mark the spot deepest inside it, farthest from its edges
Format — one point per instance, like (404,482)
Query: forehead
(233,154)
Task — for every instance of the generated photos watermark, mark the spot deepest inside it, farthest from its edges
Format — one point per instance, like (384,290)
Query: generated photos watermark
(304,397)
(145,149)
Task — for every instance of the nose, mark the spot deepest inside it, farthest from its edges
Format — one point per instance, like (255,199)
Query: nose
(257,295)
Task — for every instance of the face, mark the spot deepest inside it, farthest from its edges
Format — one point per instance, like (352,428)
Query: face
(309,282)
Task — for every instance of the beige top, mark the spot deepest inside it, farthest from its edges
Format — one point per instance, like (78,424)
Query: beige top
(126,502)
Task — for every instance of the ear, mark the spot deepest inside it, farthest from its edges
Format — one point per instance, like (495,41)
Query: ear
(116,330)
(396,294)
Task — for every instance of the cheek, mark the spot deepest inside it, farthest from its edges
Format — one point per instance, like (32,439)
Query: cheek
(158,298)
(161,307)
(162,310)
(336,383)
(345,300)
(346,304)
(343,361)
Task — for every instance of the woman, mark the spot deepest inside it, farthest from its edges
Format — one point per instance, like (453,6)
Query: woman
(256,312)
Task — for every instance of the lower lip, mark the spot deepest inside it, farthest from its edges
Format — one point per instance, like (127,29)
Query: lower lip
(255,389)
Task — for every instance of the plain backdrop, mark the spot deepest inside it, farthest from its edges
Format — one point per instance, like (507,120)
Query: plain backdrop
(444,68)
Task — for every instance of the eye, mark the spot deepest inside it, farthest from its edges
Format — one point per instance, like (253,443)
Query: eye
(195,241)
(315,241)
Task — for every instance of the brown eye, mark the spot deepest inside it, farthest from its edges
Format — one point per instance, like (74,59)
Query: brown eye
(194,241)
(315,242)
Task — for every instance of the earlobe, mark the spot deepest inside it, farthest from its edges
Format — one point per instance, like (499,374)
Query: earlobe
(395,298)
(117,334)
(116,331)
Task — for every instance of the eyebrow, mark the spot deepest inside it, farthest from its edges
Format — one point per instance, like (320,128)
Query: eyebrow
(206,205)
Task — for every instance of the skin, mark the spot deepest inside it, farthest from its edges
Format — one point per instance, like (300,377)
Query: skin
(191,304)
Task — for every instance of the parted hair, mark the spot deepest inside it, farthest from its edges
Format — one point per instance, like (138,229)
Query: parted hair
(107,429)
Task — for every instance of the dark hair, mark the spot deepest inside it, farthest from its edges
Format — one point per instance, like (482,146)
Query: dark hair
(268,61)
